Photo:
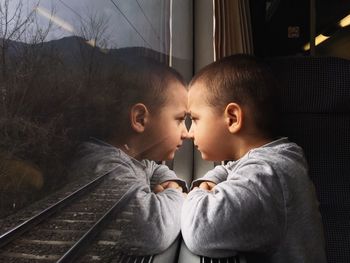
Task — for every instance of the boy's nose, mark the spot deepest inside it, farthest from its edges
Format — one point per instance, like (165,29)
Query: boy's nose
(184,133)
(190,133)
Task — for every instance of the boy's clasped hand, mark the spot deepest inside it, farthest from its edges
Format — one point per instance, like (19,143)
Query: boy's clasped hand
(165,185)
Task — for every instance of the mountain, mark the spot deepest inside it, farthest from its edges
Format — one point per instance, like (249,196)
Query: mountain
(74,50)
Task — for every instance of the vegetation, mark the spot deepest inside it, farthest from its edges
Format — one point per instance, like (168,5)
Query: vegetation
(39,82)
(49,91)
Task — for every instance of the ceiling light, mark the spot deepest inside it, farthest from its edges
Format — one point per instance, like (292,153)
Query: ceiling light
(319,39)
(345,21)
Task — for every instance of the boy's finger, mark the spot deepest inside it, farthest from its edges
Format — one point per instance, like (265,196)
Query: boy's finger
(158,188)
(165,184)
(173,185)
(211,185)
(204,186)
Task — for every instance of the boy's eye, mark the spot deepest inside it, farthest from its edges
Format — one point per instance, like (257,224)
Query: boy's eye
(180,120)
(194,119)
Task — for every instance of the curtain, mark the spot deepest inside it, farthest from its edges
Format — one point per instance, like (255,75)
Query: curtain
(232,28)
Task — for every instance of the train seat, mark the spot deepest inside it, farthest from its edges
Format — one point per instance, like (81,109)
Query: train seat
(316,115)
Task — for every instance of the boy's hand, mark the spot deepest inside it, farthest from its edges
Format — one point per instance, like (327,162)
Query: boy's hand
(158,188)
(207,186)
(168,184)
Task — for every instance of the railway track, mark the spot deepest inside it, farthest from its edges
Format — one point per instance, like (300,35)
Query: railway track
(74,229)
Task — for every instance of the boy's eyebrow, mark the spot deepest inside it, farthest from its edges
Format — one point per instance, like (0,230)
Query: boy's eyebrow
(187,113)
(184,114)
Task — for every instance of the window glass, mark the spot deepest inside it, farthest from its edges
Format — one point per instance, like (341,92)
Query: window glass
(49,52)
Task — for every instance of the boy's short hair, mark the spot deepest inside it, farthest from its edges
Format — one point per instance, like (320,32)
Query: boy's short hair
(247,81)
(144,80)
(102,111)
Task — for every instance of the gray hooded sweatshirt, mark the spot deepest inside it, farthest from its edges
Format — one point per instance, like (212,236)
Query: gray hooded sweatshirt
(150,222)
(263,203)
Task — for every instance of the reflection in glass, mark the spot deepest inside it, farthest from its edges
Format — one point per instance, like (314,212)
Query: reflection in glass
(49,52)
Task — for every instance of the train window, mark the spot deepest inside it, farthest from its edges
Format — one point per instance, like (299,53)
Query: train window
(49,50)
(60,62)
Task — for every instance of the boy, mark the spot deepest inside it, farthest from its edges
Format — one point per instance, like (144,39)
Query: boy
(263,202)
(139,114)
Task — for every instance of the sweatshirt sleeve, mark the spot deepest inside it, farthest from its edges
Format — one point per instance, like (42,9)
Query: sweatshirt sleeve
(162,173)
(151,222)
(216,175)
(243,213)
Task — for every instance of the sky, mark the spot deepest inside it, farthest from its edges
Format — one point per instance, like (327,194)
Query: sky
(126,22)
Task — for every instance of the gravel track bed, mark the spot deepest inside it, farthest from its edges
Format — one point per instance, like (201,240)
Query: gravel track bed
(87,207)
(60,235)
(101,253)
(24,214)
(51,239)
(65,225)
(79,216)
(23,260)
(37,249)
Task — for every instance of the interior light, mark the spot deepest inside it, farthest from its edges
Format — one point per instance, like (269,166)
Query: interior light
(319,39)
(345,21)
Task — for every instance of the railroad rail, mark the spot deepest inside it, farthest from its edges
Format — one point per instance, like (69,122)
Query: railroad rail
(62,232)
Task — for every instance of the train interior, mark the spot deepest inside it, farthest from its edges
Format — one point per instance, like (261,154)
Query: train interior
(306,43)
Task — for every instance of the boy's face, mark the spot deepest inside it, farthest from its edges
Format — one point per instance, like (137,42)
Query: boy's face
(167,127)
(208,129)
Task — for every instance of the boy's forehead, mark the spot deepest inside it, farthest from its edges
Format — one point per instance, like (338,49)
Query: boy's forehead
(198,86)
(177,96)
(196,92)
(177,89)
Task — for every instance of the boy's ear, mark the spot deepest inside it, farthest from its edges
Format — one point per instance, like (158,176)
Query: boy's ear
(234,117)
(139,117)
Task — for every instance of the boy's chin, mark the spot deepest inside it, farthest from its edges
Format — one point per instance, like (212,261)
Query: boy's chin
(208,157)
(167,157)
(170,157)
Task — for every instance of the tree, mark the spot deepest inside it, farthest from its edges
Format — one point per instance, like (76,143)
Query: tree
(13,24)
(94,30)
